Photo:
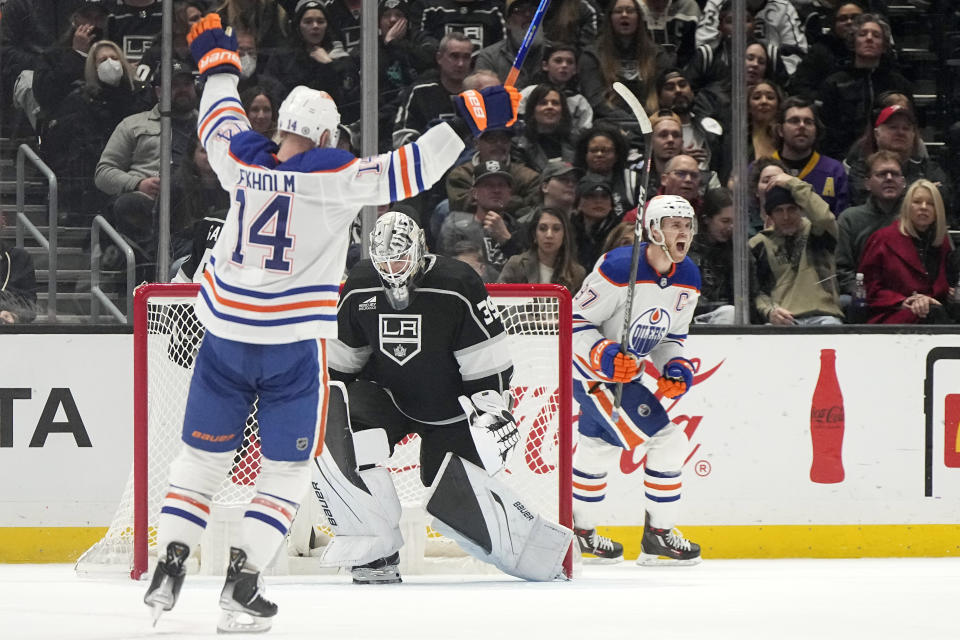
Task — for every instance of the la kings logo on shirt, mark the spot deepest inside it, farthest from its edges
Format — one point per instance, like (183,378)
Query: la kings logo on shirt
(400,336)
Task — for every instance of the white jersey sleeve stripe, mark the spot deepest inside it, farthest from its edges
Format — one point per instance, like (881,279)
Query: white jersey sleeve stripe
(346,359)
(484,359)
(231,109)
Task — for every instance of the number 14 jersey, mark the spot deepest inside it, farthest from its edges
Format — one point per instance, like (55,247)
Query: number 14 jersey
(274,274)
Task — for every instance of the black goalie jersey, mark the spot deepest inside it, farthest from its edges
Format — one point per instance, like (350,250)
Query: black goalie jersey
(448,342)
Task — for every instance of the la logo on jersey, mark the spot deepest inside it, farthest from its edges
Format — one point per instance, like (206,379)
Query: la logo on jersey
(399,336)
(648,329)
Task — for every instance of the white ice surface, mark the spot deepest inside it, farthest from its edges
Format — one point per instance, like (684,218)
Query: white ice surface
(718,599)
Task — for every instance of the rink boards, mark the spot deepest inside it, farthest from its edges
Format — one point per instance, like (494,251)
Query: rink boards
(66,441)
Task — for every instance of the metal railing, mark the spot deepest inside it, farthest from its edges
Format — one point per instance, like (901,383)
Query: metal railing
(97,296)
(24,153)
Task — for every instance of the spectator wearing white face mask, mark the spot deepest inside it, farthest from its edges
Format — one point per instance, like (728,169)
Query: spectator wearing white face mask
(79,127)
(252,65)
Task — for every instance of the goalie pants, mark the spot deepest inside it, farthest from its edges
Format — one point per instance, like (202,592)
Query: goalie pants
(371,407)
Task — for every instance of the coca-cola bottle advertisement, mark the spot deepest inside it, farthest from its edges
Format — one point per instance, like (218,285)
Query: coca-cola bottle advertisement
(827,423)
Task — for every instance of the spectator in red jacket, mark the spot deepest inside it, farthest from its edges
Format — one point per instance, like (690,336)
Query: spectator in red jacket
(904,265)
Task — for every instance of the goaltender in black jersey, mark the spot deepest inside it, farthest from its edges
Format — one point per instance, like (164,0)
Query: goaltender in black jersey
(448,342)
(421,349)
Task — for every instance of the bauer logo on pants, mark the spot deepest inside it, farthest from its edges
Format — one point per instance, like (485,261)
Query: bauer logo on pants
(400,336)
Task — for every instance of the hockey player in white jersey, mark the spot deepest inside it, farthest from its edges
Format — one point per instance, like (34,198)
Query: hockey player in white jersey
(667,288)
(421,349)
(267,301)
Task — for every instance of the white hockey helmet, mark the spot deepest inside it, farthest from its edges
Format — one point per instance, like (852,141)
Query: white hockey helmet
(308,113)
(397,249)
(661,207)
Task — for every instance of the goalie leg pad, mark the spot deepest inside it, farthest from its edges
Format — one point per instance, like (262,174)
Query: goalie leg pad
(491,523)
(361,507)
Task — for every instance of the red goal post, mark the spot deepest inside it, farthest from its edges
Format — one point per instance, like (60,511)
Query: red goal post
(538,322)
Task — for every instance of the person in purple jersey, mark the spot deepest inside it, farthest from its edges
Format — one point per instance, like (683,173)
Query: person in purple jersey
(666,292)
(800,129)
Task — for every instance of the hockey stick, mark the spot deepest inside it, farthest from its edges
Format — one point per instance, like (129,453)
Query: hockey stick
(647,130)
(527,41)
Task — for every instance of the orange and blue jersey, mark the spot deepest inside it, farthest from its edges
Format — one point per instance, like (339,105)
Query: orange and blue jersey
(275,270)
(663,306)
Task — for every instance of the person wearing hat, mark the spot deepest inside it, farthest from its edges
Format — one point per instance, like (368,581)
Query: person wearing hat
(847,94)
(499,57)
(593,218)
(488,225)
(702,135)
(795,257)
(895,129)
(558,190)
(129,166)
(494,144)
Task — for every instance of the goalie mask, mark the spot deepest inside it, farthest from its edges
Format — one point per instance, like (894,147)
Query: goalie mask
(661,207)
(308,113)
(397,249)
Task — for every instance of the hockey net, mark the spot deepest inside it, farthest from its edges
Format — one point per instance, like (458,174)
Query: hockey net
(166,338)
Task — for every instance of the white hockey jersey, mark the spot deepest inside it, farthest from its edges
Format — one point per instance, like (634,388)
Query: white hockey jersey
(663,307)
(274,274)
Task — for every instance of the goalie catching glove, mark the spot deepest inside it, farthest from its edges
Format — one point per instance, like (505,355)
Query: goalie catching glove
(214,49)
(677,378)
(607,360)
(490,108)
(492,426)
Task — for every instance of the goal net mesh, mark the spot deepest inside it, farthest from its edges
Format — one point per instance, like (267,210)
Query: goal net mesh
(532,320)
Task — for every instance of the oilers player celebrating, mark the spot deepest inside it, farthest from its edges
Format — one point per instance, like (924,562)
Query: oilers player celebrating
(268,303)
(667,288)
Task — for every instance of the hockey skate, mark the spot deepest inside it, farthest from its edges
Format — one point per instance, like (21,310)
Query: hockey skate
(245,610)
(167,580)
(381,571)
(597,549)
(666,547)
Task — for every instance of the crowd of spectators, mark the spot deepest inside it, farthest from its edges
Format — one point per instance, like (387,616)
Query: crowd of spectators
(841,180)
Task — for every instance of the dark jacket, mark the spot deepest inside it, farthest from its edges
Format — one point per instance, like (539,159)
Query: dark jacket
(893,271)
(856,225)
(848,97)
